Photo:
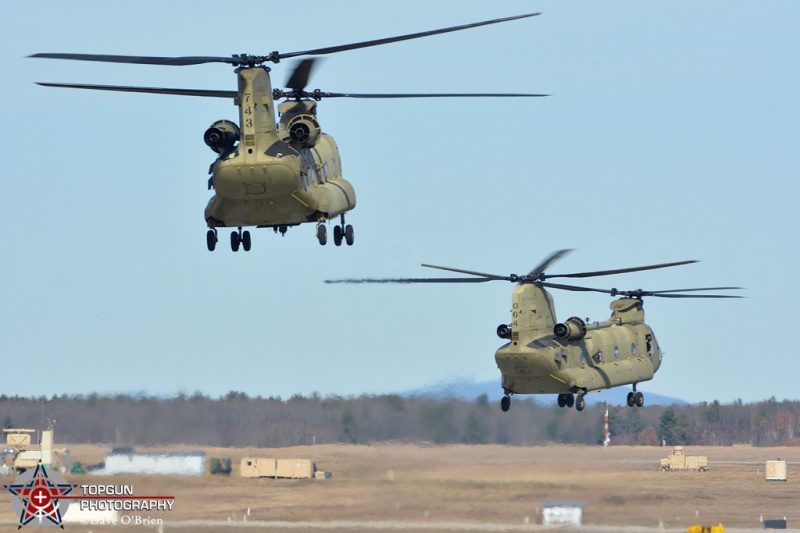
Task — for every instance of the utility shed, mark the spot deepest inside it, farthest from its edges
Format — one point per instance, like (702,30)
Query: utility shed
(776,470)
(277,468)
(562,514)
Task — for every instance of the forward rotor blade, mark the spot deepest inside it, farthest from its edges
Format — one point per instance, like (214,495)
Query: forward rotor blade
(151,90)
(555,256)
(425,95)
(572,287)
(141,60)
(470,272)
(617,271)
(411,280)
(301,73)
(387,40)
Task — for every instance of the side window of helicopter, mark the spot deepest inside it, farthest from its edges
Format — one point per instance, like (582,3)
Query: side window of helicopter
(325,172)
(633,348)
(583,358)
(312,174)
(616,352)
(304,180)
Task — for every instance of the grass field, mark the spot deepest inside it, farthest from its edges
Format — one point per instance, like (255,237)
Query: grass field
(469,487)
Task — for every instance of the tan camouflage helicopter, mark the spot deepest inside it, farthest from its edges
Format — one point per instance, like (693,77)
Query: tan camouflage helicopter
(268,176)
(570,358)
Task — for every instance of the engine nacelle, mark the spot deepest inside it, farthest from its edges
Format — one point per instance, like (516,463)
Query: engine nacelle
(573,329)
(504,331)
(222,136)
(303,130)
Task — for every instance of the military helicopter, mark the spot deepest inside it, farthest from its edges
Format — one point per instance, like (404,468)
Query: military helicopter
(267,176)
(570,358)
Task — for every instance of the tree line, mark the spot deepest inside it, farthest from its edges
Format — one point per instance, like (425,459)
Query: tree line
(237,419)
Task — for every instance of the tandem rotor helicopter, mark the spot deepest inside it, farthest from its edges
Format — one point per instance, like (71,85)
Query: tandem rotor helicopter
(570,358)
(267,176)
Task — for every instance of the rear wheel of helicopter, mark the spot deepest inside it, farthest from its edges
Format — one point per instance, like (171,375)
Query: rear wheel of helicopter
(246,242)
(322,234)
(562,400)
(348,235)
(631,399)
(638,399)
(211,240)
(580,403)
(337,235)
(505,403)
(235,241)
(570,400)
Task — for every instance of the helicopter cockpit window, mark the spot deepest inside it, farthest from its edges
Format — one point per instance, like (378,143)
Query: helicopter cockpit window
(583,358)
(616,352)
(633,348)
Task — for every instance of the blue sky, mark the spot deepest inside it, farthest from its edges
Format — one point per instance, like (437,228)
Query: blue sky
(671,134)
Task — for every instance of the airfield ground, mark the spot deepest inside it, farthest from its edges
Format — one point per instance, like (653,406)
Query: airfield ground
(475,488)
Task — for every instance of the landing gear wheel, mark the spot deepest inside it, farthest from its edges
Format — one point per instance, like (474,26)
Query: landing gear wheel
(322,234)
(562,400)
(580,403)
(638,399)
(631,399)
(211,240)
(337,235)
(246,241)
(570,400)
(348,235)
(235,241)
(505,403)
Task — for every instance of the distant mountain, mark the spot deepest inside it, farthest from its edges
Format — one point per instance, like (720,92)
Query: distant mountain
(465,389)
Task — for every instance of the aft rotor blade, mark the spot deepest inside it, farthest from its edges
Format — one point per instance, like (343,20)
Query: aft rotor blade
(617,271)
(555,256)
(141,60)
(411,280)
(387,40)
(660,295)
(151,90)
(425,95)
(301,73)
(703,289)
(470,272)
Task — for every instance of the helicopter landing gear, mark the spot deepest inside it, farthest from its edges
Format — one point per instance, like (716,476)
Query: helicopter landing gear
(342,231)
(240,237)
(635,398)
(322,233)
(505,403)
(580,403)
(211,239)
(566,400)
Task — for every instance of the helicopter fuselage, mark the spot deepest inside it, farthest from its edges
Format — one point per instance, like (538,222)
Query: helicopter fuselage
(270,172)
(284,186)
(585,357)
